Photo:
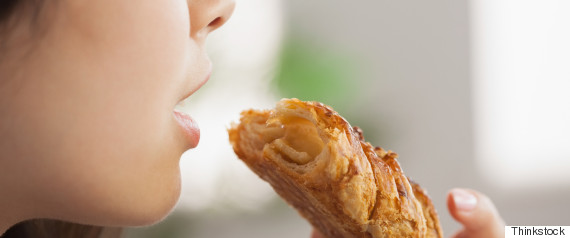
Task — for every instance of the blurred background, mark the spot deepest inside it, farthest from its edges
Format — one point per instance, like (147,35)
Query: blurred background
(468,93)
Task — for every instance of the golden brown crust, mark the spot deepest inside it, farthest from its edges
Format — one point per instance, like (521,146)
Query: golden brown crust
(323,167)
(432,220)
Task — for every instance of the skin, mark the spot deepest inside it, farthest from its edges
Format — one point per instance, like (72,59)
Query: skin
(479,220)
(87,130)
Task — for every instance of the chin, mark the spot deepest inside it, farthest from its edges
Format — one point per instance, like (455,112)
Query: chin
(150,206)
(156,209)
(151,217)
(128,212)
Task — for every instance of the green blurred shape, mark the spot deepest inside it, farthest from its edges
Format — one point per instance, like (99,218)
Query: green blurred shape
(316,72)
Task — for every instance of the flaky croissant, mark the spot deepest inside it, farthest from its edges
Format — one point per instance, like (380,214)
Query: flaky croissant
(322,166)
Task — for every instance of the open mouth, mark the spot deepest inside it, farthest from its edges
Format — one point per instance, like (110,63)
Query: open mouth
(185,121)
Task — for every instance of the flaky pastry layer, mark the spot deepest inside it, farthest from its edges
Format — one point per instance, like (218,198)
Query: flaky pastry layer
(322,166)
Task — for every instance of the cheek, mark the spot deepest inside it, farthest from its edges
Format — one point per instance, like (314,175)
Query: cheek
(119,76)
(113,86)
(127,68)
(145,49)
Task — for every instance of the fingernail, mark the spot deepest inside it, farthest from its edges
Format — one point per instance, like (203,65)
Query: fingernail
(463,199)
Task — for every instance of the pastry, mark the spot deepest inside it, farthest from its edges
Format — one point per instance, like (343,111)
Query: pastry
(322,167)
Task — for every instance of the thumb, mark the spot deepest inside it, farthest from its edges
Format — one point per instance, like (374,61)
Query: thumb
(476,213)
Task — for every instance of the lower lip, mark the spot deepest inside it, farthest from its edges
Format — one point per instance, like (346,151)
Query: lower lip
(189,127)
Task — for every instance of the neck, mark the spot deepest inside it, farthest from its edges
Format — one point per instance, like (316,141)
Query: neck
(4,225)
(6,215)
(7,218)
(11,211)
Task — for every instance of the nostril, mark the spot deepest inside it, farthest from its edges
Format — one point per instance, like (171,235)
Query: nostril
(215,23)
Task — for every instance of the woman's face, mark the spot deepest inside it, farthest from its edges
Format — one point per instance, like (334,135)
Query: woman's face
(88,133)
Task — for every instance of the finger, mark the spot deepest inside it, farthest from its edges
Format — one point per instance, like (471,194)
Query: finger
(462,234)
(476,213)
(316,234)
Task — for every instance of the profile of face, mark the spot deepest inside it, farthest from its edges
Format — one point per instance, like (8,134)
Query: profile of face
(87,132)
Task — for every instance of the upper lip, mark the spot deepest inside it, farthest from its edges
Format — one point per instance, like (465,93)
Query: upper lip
(198,86)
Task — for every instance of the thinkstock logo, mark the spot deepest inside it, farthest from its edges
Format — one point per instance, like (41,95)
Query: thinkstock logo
(537,231)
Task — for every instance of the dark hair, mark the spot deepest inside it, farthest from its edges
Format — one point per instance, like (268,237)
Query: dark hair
(6,10)
(38,228)
(45,228)
(9,7)
(17,12)
(6,7)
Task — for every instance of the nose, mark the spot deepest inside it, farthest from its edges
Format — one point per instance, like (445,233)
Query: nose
(208,15)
